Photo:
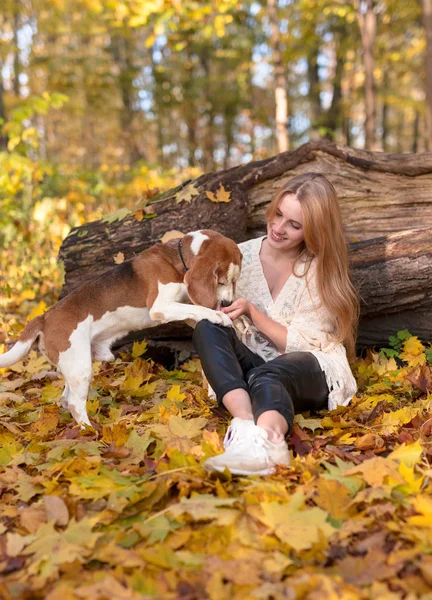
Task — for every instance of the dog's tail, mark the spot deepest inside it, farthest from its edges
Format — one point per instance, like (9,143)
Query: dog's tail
(23,345)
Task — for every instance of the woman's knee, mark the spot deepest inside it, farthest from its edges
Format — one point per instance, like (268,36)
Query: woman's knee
(267,371)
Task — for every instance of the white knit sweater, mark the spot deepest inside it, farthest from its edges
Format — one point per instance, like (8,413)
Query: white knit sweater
(298,307)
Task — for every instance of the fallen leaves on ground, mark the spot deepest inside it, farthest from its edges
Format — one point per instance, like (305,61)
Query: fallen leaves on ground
(127,512)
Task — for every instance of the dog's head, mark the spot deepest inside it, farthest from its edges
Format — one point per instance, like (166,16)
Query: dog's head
(214,267)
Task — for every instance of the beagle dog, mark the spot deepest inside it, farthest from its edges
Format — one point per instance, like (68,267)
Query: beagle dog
(152,288)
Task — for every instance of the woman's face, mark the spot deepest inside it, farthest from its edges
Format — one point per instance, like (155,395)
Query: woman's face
(285,229)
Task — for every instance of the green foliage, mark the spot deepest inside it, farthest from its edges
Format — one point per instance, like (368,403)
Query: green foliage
(396,342)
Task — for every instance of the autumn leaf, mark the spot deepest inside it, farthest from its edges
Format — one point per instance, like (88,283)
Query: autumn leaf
(119,258)
(222,195)
(295,525)
(139,348)
(186,194)
(118,215)
(413,352)
(174,234)
(178,432)
(38,310)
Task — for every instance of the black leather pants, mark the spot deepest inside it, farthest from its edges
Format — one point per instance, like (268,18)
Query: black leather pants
(290,383)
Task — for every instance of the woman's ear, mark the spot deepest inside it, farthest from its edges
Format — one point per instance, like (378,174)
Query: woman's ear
(201,282)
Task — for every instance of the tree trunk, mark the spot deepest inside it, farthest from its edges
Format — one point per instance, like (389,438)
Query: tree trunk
(16,51)
(314,89)
(427,20)
(367,21)
(381,195)
(209,137)
(280,82)
(3,138)
(121,49)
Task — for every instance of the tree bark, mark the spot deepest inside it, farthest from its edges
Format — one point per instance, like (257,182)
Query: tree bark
(381,195)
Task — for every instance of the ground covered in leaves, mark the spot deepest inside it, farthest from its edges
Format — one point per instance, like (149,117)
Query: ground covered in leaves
(127,512)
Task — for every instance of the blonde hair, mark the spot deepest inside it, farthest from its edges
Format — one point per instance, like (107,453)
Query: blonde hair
(324,241)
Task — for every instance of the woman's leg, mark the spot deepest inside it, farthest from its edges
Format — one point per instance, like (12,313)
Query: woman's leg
(225,361)
(282,387)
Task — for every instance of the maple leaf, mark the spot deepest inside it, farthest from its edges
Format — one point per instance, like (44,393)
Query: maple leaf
(222,195)
(413,352)
(173,234)
(376,470)
(186,194)
(206,507)
(136,374)
(178,432)
(298,527)
(118,215)
(335,498)
(311,424)
(139,348)
(408,454)
(175,395)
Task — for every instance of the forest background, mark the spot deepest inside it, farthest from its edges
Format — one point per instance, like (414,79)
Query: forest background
(104,103)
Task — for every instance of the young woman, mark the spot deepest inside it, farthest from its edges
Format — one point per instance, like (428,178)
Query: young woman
(297,315)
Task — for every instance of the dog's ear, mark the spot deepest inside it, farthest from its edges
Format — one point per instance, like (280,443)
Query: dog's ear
(201,282)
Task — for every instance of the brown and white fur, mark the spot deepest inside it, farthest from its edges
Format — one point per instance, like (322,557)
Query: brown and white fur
(151,288)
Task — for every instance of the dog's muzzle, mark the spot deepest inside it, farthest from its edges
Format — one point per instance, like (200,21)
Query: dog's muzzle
(225,303)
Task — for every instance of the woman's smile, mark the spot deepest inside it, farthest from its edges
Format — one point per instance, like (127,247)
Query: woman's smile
(276,236)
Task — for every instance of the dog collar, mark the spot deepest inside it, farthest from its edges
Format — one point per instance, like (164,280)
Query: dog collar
(181,254)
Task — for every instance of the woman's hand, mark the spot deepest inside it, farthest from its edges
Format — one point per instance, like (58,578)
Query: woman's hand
(239,307)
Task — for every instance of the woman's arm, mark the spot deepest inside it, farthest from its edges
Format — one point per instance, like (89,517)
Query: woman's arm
(273,331)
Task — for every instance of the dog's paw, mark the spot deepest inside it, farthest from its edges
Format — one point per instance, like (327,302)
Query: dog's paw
(158,317)
(221,318)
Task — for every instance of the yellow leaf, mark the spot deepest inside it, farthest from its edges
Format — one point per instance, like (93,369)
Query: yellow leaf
(408,454)
(334,497)
(38,310)
(139,348)
(174,234)
(119,258)
(413,352)
(222,195)
(175,394)
(179,432)
(294,526)
(135,374)
(423,505)
(376,470)
(187,194)
(28,295)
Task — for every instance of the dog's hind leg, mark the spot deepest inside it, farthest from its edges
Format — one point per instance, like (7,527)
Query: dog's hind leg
(79,383)
(76,367)
(64,397)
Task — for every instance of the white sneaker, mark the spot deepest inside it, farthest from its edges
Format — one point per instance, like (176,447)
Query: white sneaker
(248,451)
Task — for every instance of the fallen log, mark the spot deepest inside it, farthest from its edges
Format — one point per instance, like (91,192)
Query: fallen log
(381,196)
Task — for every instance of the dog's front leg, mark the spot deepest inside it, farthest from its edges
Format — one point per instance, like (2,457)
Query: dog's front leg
(167,308)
